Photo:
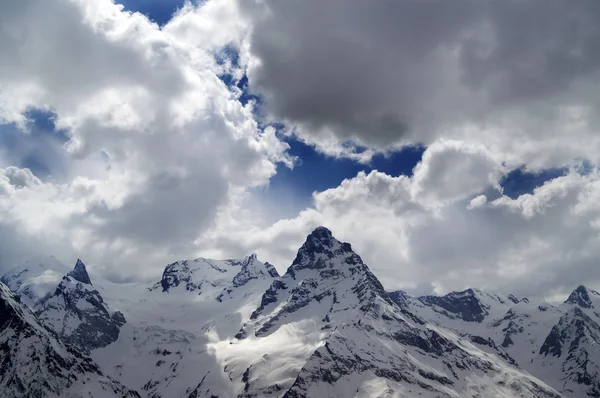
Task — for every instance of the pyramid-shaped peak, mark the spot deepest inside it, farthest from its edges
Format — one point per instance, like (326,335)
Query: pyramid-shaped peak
(581,297)
(319,251)
(79,273)
(321,234)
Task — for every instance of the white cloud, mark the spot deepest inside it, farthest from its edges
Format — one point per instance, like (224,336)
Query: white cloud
(142,105)
(161,154)
(533,244)
(477,201)
(453,170)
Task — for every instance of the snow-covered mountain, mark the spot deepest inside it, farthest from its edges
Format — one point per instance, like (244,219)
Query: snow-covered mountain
(78,313)
(35,363)
(35,279)
(361,344)
(326,328)
(559,344)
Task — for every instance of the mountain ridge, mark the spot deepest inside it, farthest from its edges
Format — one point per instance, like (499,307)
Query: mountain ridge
(326,327)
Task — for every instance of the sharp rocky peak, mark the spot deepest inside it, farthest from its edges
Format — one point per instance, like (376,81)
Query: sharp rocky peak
(320,247)
(79,273)
(582,297)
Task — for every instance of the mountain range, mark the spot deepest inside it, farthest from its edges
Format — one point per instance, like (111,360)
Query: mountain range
(325,328)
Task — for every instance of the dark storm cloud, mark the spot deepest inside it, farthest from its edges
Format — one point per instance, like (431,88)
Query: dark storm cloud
(378,71)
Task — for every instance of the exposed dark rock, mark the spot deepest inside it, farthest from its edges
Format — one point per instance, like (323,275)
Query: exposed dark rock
(581,297)
(78,313)
(464,305)
(35,363)
(79,273)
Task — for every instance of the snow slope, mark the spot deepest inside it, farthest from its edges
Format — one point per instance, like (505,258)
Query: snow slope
(35,279)
(166,347)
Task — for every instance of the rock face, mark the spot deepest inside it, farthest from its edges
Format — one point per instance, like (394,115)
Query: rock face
(583,297)
(573,347)
(79,273)
(78,313)
(35,363)
(463,305)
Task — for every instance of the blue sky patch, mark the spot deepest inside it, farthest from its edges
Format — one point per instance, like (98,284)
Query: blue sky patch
(519,182)
(157,11)
(292,189)
(40,149)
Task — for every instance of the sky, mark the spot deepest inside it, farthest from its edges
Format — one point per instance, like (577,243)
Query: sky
(454,144)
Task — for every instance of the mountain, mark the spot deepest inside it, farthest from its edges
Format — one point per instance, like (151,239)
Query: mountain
(35,363)
(556,343)
(584,297)
(571,351)
(203,275)
(328,328)
(78,313)
(168,347)
(325,328)
(35,279)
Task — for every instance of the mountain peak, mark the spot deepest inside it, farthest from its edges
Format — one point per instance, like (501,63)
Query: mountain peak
(322,235)
(581,297)
(319,248)
(79,273)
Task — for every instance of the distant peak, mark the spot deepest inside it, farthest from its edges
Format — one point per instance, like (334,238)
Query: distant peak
(580,297)
(466,292)
(517,300)
(79,273)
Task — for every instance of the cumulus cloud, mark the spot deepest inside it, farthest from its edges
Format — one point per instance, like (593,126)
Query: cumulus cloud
(516,76)
(156,143)
(542,243)
(160,156)
(452,170)
(477,201)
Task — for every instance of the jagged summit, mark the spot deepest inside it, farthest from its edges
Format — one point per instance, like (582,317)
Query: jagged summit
(321,234)
(581,297)
(206,276)
(79,273)
(319,247)
(79,314)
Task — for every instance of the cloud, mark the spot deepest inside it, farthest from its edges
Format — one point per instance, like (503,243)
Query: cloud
(18,178)
(476,202)
(452,170)
(156,143)
(157,157)
(516,76)
(539,244)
